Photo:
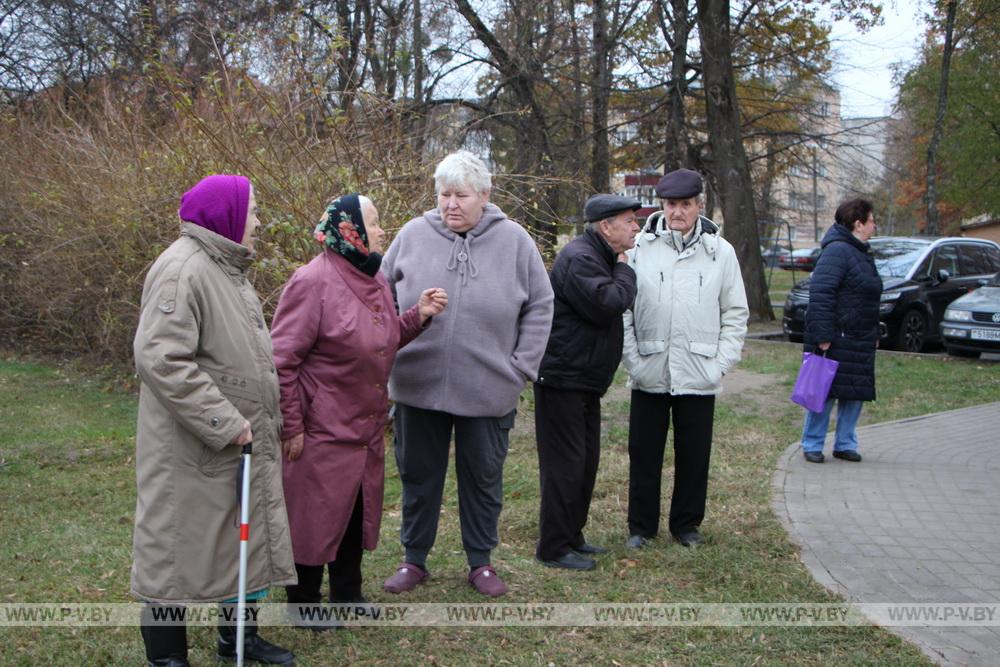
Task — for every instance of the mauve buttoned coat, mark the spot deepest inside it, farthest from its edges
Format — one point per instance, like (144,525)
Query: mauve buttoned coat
(335,335)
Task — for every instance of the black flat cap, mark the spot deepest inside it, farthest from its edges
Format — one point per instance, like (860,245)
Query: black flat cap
(680,184)
(602,206)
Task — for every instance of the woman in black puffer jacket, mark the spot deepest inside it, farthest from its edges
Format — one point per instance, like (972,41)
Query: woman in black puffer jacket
(842,321)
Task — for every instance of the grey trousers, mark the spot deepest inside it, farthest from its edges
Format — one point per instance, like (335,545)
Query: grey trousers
(422,443)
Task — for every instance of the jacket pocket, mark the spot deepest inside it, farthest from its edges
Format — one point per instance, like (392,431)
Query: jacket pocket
(648,347)
(704,349)
(706,373)
(648,371)
(213,461)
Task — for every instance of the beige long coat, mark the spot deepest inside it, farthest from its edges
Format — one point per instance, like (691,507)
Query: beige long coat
(203,354)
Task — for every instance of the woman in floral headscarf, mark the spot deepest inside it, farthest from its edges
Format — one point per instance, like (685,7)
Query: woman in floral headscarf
(335,336)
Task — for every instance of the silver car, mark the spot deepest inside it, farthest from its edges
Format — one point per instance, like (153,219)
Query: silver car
(971,323)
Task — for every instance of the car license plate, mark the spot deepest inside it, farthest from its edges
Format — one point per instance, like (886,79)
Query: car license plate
(985,334)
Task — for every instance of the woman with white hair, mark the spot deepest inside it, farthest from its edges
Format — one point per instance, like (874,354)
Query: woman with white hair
(465,374)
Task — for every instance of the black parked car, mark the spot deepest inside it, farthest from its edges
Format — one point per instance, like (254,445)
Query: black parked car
(971,323)
(920,277)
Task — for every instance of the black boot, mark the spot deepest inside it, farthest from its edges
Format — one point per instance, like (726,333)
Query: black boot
(166,645)
(304,608)
(255,647)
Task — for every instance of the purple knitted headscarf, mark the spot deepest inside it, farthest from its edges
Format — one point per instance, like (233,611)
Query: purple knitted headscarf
(219,204)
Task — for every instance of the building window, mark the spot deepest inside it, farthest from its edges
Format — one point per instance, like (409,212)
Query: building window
(644,193)
(625,132)
(806,170)
(799,201)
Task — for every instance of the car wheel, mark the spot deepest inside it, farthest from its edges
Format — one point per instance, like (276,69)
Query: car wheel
(968,354)
(912,332)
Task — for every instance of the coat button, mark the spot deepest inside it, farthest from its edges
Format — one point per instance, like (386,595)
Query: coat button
(215,421)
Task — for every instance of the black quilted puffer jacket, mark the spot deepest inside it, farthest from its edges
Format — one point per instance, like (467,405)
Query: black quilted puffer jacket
(844,294)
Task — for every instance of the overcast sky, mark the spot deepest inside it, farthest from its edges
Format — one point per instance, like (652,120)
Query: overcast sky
(862,64)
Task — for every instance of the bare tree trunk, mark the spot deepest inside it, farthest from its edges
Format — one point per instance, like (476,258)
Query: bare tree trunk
(600,165)
(677,141)
(418,52)
(349,27)
(729,160)
(933,215)
(579,131)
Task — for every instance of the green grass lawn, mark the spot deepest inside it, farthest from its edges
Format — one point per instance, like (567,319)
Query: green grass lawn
(67,495)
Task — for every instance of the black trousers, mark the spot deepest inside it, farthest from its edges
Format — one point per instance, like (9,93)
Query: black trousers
(423,440)
(649,419)
(345,571)
(568,433)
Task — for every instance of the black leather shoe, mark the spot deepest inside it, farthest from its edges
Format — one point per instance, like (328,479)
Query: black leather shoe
(814,457)
(255,649)
(169,661)
(571,560)
(589,548)
(636,542)
(689,538)
(847,455)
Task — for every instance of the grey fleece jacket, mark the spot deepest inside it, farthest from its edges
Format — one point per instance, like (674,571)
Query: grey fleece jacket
(489,341)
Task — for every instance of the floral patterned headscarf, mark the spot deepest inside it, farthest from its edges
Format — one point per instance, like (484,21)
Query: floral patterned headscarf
(342,230)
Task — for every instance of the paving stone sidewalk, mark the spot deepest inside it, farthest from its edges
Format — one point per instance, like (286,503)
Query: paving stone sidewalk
(918,520)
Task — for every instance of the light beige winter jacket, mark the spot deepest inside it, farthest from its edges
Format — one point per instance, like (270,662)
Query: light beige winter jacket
(687,325)
(203,354)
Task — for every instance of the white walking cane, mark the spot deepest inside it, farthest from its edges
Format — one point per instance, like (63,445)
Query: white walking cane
(241,606)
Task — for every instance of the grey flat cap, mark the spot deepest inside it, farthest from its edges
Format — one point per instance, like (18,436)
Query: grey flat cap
(602,206)
(680,184)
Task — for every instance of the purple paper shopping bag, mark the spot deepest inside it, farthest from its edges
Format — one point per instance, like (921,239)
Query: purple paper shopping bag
(813,384)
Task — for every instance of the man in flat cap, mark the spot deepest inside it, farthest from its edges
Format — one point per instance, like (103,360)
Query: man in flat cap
(683,333)
(593,286)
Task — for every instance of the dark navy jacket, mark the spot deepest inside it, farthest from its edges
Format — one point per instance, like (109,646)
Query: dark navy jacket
(844,295)
(592,290)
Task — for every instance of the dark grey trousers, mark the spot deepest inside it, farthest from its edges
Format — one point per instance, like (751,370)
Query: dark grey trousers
(422,443)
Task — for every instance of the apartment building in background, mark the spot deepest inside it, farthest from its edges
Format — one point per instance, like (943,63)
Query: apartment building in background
(835,159)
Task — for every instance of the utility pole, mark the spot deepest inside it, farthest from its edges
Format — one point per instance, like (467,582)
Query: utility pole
(815,200)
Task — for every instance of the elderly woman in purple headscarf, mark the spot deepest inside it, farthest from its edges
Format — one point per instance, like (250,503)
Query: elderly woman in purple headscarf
(209,385)
(335,334)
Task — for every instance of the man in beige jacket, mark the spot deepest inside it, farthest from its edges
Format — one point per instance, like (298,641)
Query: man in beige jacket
(203,354)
